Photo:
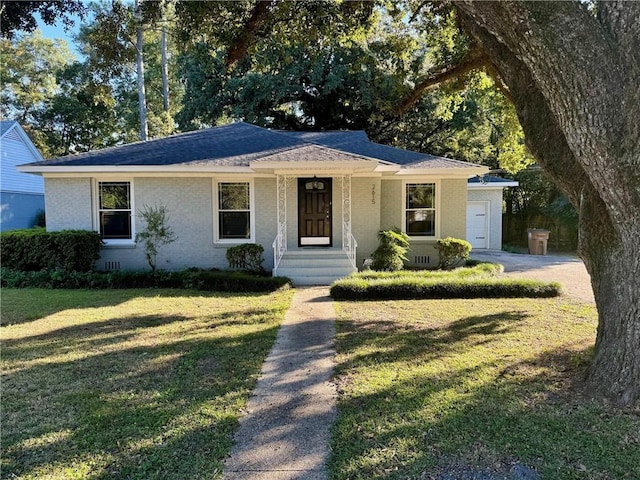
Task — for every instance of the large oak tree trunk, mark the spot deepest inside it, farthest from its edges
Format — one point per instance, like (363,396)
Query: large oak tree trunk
(574,78)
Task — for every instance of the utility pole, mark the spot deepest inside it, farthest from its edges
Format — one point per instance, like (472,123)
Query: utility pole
(142,99)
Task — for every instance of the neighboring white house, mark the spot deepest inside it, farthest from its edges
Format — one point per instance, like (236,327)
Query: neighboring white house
(314,200)
(484,211)
(21,195)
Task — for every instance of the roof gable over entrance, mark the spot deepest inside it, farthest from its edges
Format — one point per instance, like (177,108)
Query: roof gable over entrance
(243,147)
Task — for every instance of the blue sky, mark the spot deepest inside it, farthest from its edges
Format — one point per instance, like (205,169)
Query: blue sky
(58,31)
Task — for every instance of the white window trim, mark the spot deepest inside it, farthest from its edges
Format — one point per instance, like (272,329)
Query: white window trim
(437,207)
(96,211)
(216,211)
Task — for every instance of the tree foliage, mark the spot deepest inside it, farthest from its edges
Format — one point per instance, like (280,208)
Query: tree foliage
(21,15)
(80,116)
(365,80)
(29,66)
(109,43)
(300,65)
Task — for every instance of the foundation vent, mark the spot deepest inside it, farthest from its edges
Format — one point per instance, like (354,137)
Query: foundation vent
(421,259)
(111,265)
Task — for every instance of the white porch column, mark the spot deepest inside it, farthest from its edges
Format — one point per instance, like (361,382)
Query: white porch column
(280,242)
(349,243)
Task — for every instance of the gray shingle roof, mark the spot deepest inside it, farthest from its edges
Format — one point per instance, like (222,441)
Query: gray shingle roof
(433,161)
(240,143)
(358,143)
(230,145)
(329,138)
(312,153)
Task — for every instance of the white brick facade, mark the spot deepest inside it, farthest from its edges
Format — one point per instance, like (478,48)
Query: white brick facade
(68,204)
(375,204)
(365,213)
(451,217)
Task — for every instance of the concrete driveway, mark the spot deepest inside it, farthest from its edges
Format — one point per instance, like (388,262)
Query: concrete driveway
(569,271)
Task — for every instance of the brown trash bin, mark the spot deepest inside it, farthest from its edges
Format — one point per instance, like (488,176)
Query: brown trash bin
(538,241)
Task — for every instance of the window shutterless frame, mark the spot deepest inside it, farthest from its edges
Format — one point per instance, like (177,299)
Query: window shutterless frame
(420,209)
(114,210)
(233,211)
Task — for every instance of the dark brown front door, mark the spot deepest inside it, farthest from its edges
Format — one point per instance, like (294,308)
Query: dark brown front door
(314,212)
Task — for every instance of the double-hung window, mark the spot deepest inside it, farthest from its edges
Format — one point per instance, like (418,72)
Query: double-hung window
(234,211)
(114,210)
(420,209)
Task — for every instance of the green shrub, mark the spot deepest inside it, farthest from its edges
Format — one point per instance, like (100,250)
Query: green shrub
(453,252)
(195,279)
(36,249)
(156,232)
(391,252)
(247,257)
(401,288)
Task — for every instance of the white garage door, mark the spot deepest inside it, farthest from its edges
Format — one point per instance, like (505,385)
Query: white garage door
(478,224)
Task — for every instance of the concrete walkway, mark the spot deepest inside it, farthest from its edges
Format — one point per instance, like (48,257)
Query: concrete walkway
(285,431)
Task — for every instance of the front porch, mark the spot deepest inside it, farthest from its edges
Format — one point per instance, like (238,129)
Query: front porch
(314,244)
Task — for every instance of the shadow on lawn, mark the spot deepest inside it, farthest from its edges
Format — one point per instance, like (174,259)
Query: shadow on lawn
(509,418)
(18,308)
(83,337)
(391,340)
(161,409)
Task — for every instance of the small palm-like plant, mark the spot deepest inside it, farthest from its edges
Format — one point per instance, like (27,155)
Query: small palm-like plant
(391,253)
(156,233)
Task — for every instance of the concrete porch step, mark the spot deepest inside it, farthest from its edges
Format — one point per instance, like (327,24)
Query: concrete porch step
(314,267)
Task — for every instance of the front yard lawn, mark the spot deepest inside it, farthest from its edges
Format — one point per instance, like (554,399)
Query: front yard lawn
(434,389)
(137,384)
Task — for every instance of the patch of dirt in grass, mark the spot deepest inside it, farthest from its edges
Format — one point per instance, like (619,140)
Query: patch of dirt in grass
(480,463)
(516,471)
(208,365)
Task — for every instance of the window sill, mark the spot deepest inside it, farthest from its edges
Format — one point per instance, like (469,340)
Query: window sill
(125,244)
(423,239)
(232,243)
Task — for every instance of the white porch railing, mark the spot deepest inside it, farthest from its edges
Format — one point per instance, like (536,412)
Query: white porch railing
(349,244)
(279,246)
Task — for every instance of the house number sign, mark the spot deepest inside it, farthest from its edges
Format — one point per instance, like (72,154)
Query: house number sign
(373,194)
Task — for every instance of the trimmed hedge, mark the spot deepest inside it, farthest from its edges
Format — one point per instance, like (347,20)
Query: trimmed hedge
(477,269)
(195,279)
(35,249)
(247,257)
(406,288)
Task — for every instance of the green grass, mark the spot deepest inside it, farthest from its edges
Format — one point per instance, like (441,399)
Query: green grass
(139,384)
(474,387)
